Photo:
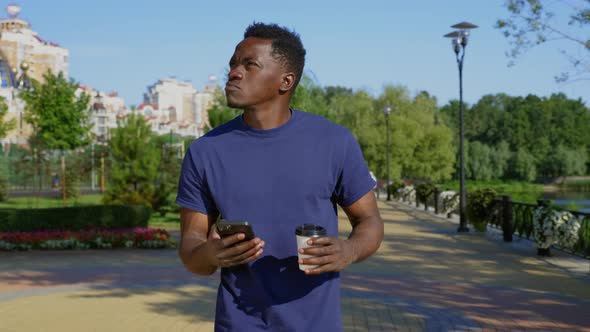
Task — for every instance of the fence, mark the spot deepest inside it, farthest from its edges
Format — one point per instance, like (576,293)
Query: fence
(30,170)
(513,218)
(517,218)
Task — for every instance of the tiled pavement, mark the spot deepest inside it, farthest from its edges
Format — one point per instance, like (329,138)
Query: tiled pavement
(425,277)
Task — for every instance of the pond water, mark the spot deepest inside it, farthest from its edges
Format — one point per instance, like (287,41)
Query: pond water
(579,198)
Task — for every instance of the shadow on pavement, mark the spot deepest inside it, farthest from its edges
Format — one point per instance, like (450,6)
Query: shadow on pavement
(424,277)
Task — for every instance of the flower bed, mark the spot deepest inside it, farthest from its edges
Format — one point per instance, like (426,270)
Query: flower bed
(91,238)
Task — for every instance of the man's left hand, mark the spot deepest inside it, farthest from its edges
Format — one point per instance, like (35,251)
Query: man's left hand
(330,255)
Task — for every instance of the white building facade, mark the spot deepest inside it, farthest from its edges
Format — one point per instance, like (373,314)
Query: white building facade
(185,107)
(24,55)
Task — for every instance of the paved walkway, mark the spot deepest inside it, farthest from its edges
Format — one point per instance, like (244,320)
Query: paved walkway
(425,277)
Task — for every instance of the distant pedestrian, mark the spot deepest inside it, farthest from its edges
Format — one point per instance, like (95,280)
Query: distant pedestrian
(55,181)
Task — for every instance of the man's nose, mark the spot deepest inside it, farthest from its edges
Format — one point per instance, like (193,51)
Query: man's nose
(235,74)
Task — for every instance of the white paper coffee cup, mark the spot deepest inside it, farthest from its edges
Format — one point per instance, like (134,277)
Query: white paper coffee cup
(303,233)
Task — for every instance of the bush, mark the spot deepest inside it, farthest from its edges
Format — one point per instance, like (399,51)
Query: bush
(481,207)
(74,218)
(423,191)
(394,186)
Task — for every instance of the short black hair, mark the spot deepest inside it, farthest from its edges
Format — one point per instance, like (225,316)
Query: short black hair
(286,45)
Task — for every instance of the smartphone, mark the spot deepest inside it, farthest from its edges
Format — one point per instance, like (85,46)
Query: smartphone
(227,228)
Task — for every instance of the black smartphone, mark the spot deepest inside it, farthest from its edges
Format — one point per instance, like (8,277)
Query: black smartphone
(226,228)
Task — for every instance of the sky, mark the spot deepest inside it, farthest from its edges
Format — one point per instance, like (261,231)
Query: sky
(127,45)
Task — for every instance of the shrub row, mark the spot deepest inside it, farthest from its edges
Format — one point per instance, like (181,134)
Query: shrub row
(74,218)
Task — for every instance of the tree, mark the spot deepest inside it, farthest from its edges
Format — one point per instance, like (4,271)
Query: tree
(168,172)
(565,162)
(500,156)
(220,113)
(478,162)
(533,22)
(5,126)
(135,162)
(311,98)
(357,113)
(524,165)
(60,120)
(421,146)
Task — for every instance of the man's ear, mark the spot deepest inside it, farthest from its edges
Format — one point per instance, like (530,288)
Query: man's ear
(287,82)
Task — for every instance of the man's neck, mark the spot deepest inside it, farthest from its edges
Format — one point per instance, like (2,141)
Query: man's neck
(264,119)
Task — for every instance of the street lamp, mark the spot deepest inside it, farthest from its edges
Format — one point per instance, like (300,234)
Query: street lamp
(459,41)
(387,111)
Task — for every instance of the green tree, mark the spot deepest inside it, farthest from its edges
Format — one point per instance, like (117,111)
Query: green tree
(59,118)
(220,113)
(499,157)
(534,22)
(357,113)
(524,167)
(5,126)
(478,164)
(4,184)
(134,163)
(421,146)
(565,162)
(485,120)
(168,172)
(333,91)
(311,98)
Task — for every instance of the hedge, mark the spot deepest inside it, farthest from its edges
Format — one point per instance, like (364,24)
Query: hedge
(74,218)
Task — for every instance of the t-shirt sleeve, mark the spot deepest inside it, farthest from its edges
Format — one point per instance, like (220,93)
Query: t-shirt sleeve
(355,179)
(193,190)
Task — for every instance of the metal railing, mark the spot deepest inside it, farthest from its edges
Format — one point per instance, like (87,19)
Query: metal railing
(516,218)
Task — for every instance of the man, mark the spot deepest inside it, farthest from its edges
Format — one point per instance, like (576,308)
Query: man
(276,168)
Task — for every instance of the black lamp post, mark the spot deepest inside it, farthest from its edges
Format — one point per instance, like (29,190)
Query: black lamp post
(387,111)
(459,38)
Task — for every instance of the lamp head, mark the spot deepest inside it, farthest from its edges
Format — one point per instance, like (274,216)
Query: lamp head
(464,26)
(387,110)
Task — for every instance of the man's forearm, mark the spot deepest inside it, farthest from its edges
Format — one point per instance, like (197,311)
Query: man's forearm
(196,259)
(366,237)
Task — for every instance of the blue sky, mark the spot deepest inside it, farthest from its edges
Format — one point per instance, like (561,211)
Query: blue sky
(127,45)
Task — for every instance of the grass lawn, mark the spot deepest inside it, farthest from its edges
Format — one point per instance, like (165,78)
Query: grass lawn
(520,191)
(49,202)
(170,221)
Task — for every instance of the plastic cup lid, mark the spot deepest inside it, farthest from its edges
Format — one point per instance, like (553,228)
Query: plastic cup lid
(310,230)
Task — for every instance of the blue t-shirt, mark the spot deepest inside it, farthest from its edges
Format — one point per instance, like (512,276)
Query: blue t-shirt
(276,180)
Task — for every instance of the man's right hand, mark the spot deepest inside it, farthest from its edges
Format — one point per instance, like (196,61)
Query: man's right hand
(202,250)
(232,250)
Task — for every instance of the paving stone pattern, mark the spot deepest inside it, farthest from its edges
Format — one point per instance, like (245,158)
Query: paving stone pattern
(425,277)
